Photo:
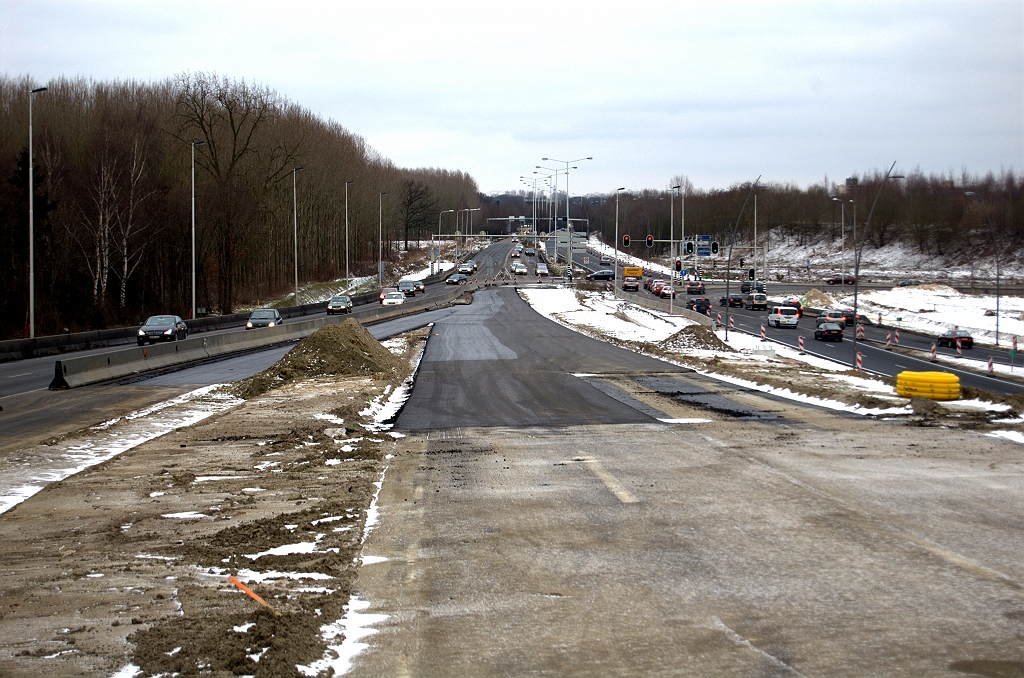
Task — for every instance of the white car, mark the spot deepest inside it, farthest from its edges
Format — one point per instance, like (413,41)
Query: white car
(783,316)
(466,268)
(542,269)
(393,299)
(520,269)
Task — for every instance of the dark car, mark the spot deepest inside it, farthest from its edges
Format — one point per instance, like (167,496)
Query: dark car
(833,316)
(263,317)
(456,279)
(908,283)
(162,328)
(339,303)
(700,305)
(407,287)
(530,252)
(605,274)
(748,286)
(949,337)
(828,332)
(631,284)
(732,300)
(795,303)
(420,285)
(841,280)
(695,288)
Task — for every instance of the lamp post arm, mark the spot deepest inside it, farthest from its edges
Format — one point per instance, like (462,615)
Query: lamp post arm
(859,250)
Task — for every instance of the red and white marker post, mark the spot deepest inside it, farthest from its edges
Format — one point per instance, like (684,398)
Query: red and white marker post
(762,333)
(719,321)
(959,348)
(801,340)
(888,341)
(897,337)
(732,322)
(860,361)
(860,332)
(990,368)
(934,351)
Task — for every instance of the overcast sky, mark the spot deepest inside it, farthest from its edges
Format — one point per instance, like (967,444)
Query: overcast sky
(720,92)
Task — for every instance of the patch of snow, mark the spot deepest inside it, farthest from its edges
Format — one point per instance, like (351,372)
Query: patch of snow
(245,576)
(185,515)
(1015,436)
(287,549)
(354,627)
(372,560)
(244,628)
(109,440)
(334,419)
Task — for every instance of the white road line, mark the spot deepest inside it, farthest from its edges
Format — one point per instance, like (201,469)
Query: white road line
(609,480)
(23,374)
(743,642)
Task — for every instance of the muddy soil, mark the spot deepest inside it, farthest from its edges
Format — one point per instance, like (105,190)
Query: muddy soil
(127,563)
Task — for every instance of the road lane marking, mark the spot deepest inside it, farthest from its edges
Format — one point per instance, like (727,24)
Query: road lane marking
(23,374)
(609,480)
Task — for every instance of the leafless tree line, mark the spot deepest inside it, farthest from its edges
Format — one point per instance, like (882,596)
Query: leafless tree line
(112,163)
(930,213)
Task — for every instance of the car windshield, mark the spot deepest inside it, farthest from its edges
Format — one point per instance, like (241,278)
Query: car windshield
(262,315)
(340,299)
(406,283)
(161,320)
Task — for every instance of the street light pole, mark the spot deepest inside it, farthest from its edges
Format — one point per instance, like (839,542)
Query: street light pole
(615,264)
(438,242)
(380,239)
(568,227)
(672,243)
(31,225)
(348,276)
(728,263)
(995,245)
(859,249)
(295,225)
(194,144)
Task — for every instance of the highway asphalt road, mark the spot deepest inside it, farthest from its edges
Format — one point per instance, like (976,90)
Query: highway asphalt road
(537,523)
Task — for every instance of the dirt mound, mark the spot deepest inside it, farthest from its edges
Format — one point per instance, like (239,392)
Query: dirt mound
(815,298)
(695,337)
(940,288)
(343,349)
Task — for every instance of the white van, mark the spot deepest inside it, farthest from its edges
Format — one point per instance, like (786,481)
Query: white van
(783,316)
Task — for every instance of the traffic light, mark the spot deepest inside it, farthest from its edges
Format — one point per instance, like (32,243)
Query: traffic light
(689,247)
(650,241)
(625,241)
(679,265)
(714,247)
(741,262)
(750,274)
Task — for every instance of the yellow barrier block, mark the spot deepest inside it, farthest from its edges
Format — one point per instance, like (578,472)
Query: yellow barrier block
(931,385)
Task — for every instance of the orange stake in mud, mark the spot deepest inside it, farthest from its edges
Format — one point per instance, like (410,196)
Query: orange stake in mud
(249,592)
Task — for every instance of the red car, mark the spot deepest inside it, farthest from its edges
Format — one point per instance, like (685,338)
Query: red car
(949,337)
(840,280)
(384,293)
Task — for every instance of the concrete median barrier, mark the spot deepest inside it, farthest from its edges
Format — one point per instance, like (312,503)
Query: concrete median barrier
(83,370)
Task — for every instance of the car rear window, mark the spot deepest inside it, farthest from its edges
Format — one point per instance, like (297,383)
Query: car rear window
(786,311)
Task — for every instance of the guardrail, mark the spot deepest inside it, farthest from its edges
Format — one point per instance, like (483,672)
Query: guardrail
(14,349)
(91,369)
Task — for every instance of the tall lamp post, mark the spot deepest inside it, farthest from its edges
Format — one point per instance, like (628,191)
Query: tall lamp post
(295,226)
(348,276)
(380,239)
(31,225)
(995,245)
(443,212)
(568,224)
(859,249)
(672,243)
(615,264)
(194,144)
(728,262)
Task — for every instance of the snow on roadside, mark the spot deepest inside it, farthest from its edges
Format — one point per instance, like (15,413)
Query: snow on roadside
(19,481)
(423,273)
(604,314)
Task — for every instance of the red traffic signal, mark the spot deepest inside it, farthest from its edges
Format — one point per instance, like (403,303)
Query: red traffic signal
(625,241)
(679,265)
(650,241)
